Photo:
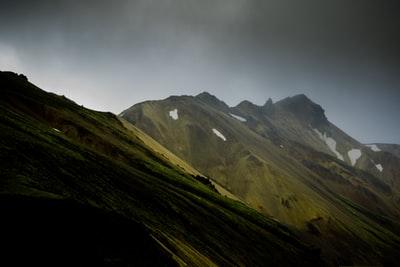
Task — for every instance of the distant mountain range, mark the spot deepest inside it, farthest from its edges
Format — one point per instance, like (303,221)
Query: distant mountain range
(190,181)
(286,160)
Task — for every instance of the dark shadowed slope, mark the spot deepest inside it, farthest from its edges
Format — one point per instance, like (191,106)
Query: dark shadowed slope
(78,188)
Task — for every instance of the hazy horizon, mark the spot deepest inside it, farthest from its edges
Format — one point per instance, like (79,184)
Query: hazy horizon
(109,55)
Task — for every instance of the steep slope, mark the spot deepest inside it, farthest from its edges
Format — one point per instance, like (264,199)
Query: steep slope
(164,152)
(79,188)
(298,118)
(286,160)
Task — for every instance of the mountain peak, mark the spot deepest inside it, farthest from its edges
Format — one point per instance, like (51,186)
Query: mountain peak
(304,108)
(206,96)
(245,103)
(269,102)
(212,101)
(268,106)
(301,97)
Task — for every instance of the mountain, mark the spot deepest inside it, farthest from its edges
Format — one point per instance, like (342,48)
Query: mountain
(286,160)
(391,148)
(295,117)
(86,188)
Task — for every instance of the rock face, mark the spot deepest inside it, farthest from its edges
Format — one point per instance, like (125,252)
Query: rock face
(304,109)
(287,160)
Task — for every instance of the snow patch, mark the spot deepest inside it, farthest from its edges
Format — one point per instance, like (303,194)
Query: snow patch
(354,155)
(238,117)
(330,142)
(174,114)
(374,148)
(378,166)
(219,134)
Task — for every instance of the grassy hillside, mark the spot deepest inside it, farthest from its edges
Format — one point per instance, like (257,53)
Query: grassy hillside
(78,188)
(273,160)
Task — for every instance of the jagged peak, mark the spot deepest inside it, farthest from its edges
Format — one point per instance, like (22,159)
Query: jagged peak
(300,98)
(269,102)
(212,101)
(304,108)
(269,106)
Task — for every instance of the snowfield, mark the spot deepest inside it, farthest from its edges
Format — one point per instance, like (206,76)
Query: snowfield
(354,155)
(238,117)
(331,143)
(219,134)
(374,147)
(378,166)
(174,114)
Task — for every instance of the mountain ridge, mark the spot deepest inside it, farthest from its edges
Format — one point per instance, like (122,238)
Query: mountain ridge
(314,209)
(72,174)
(284,159)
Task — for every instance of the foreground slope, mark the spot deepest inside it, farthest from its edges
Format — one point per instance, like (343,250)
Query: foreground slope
(79,188)
(286,160)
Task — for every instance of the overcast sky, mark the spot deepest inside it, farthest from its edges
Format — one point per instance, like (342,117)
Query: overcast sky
(109,55)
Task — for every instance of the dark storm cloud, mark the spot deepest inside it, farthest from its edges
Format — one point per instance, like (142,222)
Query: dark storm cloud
(111,54)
